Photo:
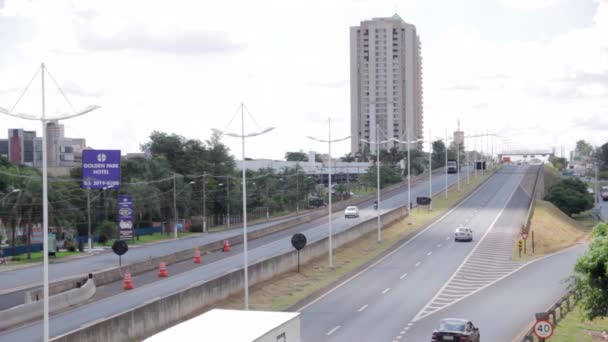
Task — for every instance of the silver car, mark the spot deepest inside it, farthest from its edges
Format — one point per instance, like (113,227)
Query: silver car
(351,211)
(463,234)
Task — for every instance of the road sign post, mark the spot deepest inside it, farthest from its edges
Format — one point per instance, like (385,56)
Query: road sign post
(524,236)
(543,329)
(520,246)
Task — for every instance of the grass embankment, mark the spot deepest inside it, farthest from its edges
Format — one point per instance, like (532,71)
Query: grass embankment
(290,288)
(37,257)
(573,329)
(553,231)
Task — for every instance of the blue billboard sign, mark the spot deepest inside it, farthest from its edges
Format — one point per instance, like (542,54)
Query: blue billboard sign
(125,217)
(101,169)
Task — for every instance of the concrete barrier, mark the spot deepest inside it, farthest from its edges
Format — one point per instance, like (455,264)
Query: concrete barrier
(26,312)
(147,319)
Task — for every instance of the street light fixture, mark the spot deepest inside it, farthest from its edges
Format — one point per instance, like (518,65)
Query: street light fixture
(45,209)
(329,141)
(243,136)
(8,194)
(377,143)
(409,173)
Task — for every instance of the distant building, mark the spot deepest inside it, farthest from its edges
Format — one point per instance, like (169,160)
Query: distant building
(385,82)
(25,148)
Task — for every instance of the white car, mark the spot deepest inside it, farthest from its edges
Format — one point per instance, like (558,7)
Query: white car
(463,234)
(351,211)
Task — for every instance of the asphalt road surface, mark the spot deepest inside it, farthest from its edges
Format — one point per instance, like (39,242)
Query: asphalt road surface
(82,315)
(381,301)
(504,310)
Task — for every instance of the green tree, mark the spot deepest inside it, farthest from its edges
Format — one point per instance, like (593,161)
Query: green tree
(438,159)
(583,148)
(348,158)
(590,277)
(389,174)
(296,156)
(559,163)
(603,156)
(570,196)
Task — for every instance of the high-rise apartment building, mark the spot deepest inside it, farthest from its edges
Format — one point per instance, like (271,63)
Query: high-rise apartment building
(386,83)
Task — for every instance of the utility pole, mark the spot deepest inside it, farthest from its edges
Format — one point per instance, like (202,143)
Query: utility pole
(228,201)
(446,164)
(90,238)
(475,150)
(430,170)
(378,182)
(174,208)
(204,203)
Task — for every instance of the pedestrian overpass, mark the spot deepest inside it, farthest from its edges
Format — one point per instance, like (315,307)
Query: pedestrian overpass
(528,155)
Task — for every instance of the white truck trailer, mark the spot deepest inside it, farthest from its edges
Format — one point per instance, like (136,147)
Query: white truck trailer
(235,326)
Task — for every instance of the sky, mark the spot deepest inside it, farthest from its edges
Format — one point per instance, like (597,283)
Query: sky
(533,71)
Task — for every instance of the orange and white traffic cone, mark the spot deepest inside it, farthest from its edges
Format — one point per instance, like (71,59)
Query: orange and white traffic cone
(226,246)
(162,270)
(128,282)
(197,256)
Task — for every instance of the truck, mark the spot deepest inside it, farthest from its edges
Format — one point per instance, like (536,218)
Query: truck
(506,159)
(233,326)
(604,193)
(452,166)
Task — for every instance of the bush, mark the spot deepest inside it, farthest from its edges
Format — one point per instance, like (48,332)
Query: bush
(108,229)
(603,175)
(570,196)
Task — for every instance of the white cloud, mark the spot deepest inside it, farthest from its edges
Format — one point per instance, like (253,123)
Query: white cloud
(529,4)
(150,68)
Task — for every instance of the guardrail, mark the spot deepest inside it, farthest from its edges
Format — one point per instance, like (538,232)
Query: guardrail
(32,309)
(533,195)
(555,314)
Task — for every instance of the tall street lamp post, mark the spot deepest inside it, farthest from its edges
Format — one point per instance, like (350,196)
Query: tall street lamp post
(244,167)
(409,172)
(377,143)
(329,141)
(45,208)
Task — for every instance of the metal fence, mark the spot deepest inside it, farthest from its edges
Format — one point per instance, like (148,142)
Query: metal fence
(556,313)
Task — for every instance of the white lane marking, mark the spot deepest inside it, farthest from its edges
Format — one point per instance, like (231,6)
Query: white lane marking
(429,253)
(439,246)
(447,238)
(403,276)
(406,328)
(419,315)
(386,290)
(463,201)
(362,308)
(399,337)
(402,332)
(333,330)
(417,264)
(410,324)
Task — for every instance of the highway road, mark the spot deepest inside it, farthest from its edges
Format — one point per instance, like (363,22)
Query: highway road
(83,315)
(504,310)
(32,276)
(412,281)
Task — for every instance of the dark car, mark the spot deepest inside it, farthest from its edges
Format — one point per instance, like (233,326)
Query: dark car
(457,330)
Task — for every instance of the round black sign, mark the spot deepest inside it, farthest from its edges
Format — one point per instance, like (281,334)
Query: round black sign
(298,241)
(120,247)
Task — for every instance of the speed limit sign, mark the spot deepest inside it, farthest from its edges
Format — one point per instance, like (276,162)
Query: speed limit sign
(543,329)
